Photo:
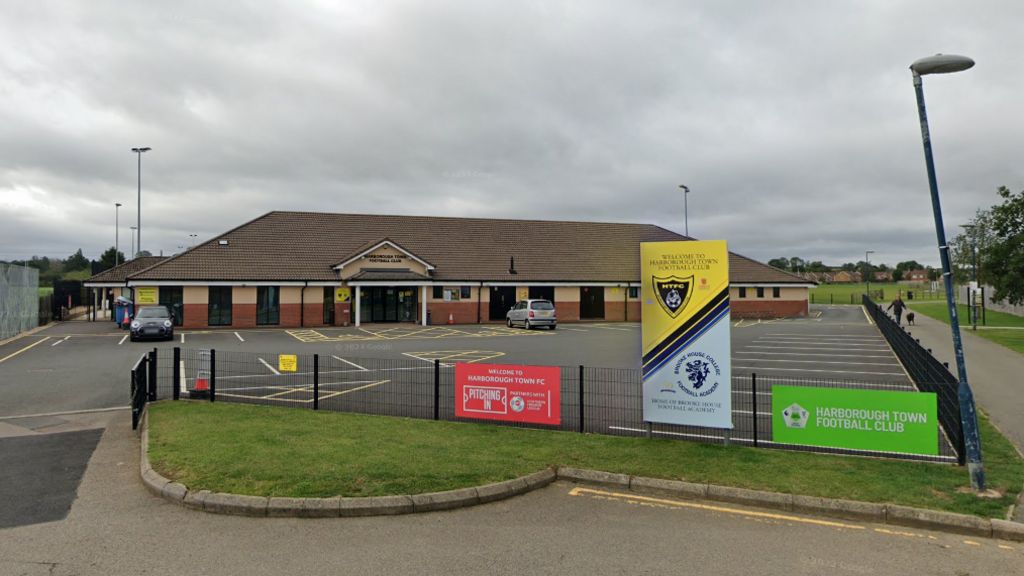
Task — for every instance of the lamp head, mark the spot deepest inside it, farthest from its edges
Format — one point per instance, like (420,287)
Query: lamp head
(941,64)
(140,150)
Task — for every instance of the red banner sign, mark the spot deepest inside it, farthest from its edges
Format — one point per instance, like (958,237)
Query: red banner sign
(508,392)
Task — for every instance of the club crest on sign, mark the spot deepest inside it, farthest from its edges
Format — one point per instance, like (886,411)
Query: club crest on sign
(673,293)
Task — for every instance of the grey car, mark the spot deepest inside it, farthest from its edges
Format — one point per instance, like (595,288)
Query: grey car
(153,322)
(530,313)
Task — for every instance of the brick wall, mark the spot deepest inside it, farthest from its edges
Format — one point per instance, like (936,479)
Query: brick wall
(195,316)
(768,308)
(243,315)
(568,311)
(290,315)
(462,312)
(343,314)
(313,314)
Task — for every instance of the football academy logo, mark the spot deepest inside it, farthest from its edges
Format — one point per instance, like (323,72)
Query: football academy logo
(673,293)
(697,374)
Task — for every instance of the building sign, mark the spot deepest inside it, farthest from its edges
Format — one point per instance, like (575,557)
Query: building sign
(145,295)
(510,393)
(386,258)
(687,374)
(287,362)
(342,295)
(876,420)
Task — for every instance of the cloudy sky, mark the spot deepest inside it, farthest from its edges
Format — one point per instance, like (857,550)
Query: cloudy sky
(793,123)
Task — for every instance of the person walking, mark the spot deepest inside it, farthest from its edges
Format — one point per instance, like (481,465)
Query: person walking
(897,307)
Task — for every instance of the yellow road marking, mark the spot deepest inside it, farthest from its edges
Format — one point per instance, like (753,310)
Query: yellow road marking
(1005,547)
(372,384)
(32,345)
(972,543)
(469,356)
(714,508)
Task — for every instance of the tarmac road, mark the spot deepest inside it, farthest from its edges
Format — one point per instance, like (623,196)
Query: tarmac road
(117,528)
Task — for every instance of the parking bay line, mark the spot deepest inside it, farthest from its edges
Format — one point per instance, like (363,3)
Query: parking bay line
(59,341)
(123,338)
(32,345)
(819,371)
(272,369)
(239,336)
(349,363)
(812,354)
(893,364)
(851,347)
(799,348)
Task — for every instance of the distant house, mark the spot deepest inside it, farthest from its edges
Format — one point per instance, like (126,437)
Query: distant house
(846,277)
(916,275)
(819,277)
(883,276)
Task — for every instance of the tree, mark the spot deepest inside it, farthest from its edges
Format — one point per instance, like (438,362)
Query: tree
(817,266)
(143,253)
(796,264)
(934,273)
(107,259)
(1003,259)
(780,263)
(76,261)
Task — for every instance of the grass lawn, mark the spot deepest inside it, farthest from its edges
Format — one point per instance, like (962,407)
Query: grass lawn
(45,290)
(851,293)
(1012,339)
(272,451)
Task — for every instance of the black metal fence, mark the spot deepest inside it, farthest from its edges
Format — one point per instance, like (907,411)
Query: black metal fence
(928,374)
(593,400)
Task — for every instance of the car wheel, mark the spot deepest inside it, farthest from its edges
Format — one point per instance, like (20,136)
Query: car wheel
(552,327)
(526,324)
(509,322)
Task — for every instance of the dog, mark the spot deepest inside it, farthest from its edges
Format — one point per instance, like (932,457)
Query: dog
(910,318)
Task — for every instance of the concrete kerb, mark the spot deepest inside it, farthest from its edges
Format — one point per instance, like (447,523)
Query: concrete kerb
(830,507)
(219,503)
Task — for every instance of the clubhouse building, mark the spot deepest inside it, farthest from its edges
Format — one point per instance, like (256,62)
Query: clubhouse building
(307,269)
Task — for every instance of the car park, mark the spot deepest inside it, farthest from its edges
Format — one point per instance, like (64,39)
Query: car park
(531,313)
(152,322)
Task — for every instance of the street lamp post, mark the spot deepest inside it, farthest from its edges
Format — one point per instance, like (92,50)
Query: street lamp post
(117,229)
(133,241)
(944,64)
(867,271)
(138,221)
(686,209)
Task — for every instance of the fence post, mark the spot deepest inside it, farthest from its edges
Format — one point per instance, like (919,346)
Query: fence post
(316,381)
(152,375)
(176,371)
(581,399)
(213,374)
(437,389)
(831,298)
(753,388)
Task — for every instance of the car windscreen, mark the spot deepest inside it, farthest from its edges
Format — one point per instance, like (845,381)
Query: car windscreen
(156,312)
(542,305)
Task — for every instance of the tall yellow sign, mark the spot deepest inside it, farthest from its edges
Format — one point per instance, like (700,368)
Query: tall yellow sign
(687,376)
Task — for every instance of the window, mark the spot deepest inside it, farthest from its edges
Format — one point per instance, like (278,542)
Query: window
(760,292)
(466,292)
(219,306)
(438,292)
(634,291)
(743,291)
(775,292)
(268,305)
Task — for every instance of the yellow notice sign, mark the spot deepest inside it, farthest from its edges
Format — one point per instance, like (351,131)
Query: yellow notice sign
(287,362)
(145,295)
(342,295)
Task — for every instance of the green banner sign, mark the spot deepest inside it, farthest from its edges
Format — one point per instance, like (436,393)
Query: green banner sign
(876,420)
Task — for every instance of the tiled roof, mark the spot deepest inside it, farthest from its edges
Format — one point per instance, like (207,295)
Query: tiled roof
(390,275)
(121,272)
(300,246)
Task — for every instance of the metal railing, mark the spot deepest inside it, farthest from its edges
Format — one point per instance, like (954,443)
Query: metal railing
(927,372)
(593,400)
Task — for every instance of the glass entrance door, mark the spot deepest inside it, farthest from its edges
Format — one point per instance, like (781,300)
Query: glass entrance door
(388,304)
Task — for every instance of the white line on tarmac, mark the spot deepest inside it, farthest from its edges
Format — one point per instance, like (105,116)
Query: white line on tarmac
(59,341)
(349,363)
(123,338)
(868,316)
(820,371)
(13,354)
(575,329)
(892,364)
(800,348)
(239,336)
(182,337)
(844,337)
(272,369)
(65,413)
(813,354)
(863,346)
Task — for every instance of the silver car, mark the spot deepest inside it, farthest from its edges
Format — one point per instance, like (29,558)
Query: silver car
(530,313)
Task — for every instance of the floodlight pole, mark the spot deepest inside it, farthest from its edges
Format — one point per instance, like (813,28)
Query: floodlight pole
(138,222)
(686,209)
(968,414)
(867,271)
(117,209)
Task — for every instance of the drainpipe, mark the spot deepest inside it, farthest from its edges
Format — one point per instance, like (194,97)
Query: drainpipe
(625,305)
(302,305)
